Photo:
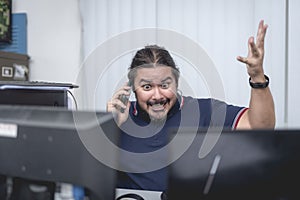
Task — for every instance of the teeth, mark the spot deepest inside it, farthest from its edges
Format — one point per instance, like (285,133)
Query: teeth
(157,106)
(156,103)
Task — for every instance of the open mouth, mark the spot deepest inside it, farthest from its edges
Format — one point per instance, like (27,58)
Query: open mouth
(158,105)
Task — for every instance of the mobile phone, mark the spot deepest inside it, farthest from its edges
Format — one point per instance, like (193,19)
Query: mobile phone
(124,98)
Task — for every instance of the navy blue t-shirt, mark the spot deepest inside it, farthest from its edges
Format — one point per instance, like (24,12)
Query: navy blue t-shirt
(141,137)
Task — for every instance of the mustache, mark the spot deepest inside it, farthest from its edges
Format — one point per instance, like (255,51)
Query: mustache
(161,102)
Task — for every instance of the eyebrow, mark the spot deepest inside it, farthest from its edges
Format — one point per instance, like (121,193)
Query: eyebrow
(149,81)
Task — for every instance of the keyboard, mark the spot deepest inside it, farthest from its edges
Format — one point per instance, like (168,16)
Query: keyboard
(37,84)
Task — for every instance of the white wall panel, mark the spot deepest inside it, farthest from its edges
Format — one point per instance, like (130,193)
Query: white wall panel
(53,38)
(220,27)
(293,106)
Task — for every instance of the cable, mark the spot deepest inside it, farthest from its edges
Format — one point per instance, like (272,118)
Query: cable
(74,99)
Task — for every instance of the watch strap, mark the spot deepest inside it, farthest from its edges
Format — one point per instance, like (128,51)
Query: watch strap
(260,85)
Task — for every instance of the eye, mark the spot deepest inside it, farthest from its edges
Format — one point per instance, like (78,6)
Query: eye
(147,87)
(165,85)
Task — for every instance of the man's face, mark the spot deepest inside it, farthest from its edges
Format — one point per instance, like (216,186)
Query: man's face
(155,90)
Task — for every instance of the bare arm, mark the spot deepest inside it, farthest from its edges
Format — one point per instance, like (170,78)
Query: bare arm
(261,112)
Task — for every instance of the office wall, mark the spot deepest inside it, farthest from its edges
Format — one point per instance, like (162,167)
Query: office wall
(292,66)
(54,34)
(221,28)
(55,27)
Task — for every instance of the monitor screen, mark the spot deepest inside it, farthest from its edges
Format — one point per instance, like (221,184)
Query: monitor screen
(254,164)
(59,145)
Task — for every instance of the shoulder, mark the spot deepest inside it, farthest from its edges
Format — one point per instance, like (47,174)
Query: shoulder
(202,101)
(209,104)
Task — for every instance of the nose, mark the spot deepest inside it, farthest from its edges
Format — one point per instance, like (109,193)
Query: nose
(157,94)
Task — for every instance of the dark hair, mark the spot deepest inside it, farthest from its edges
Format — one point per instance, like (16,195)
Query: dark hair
(151,56)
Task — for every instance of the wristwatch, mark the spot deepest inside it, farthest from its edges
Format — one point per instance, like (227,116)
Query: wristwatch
(259,85)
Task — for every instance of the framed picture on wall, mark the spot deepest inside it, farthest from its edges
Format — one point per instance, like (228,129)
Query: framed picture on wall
(5,21)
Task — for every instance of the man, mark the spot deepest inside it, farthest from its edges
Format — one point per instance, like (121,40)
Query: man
(145,122)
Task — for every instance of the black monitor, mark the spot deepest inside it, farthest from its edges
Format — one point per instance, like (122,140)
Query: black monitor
(34,97)
(35,93)
(253,164)
(59,145)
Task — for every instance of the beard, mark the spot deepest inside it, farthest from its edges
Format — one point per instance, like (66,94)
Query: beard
(159,117)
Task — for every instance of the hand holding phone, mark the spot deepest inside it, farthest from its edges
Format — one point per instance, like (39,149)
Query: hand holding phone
(124,98)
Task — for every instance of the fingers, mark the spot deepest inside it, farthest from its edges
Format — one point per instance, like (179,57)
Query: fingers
(250,45)
(254,59)
(261,33)
(120,111)
(124,90)
(255,49)
(242,59)
(118,104)
(252,48)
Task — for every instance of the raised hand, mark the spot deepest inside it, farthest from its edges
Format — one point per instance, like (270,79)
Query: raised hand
(254,59)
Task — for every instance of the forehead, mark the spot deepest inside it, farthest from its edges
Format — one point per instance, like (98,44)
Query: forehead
(158,73)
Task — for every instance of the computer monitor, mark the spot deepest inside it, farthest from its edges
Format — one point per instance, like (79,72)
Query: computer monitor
(35,93)
(253,164)
(34,97)
(59,145)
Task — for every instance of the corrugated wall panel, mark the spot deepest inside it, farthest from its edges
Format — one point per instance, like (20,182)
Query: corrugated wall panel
(220,27)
